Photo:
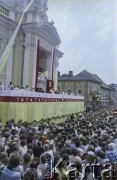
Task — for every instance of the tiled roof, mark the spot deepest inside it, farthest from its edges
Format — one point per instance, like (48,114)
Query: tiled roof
(113,87)
(66,78)
(85,75)
(82,76)
(100,80)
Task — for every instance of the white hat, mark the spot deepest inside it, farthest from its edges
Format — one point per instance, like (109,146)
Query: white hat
(111,146)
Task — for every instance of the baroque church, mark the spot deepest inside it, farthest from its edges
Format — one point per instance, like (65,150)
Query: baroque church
(33,57)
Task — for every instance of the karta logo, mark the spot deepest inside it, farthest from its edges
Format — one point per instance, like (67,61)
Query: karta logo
(92,172)
(53,170)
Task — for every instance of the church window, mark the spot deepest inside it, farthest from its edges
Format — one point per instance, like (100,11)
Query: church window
(4,11)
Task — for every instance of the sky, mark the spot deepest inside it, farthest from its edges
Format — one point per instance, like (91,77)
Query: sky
(88,33)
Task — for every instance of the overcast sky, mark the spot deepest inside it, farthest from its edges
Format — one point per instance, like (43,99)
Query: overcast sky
(88,33)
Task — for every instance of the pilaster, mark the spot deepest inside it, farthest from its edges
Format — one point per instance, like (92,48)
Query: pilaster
(29,68)
(56,64)
(34,65)
(17,67)
(26,60)
(49,64)
(9,69)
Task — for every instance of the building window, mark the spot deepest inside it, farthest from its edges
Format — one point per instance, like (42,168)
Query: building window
(4,11)
(69,88)
(90,89)
(80,89)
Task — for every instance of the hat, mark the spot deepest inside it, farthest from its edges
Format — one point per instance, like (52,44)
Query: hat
(67,142)
(104,134)
(111,146)
(91,153)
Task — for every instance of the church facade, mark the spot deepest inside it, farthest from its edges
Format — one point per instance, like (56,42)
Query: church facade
(34,57)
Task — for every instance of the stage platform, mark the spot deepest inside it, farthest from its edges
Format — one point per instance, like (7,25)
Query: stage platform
(29,106)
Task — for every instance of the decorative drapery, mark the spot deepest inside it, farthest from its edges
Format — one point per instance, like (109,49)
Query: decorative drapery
(37,63)
(53,58)
(9,46)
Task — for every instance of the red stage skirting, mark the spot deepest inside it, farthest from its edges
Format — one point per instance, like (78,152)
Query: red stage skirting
(36,99)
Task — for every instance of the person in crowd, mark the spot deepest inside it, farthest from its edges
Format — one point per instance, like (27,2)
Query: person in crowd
(37,150)
(1,86)
(13,171)
(42,166)
(16,88)
(27,88)
(52,91)
(23,147)
(31,174)
(27,159)
(33,89)
(3,161)
(74,157)
(111,153)
(2,139)
(0,124)
(10,86)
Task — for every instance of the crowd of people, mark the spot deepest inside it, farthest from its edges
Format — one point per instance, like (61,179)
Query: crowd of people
(11,86)
(67,150)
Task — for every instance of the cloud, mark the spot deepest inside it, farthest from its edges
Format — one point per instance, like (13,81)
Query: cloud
(102,15)
(106,28)
(103,34)
(65,24)
(88,30)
